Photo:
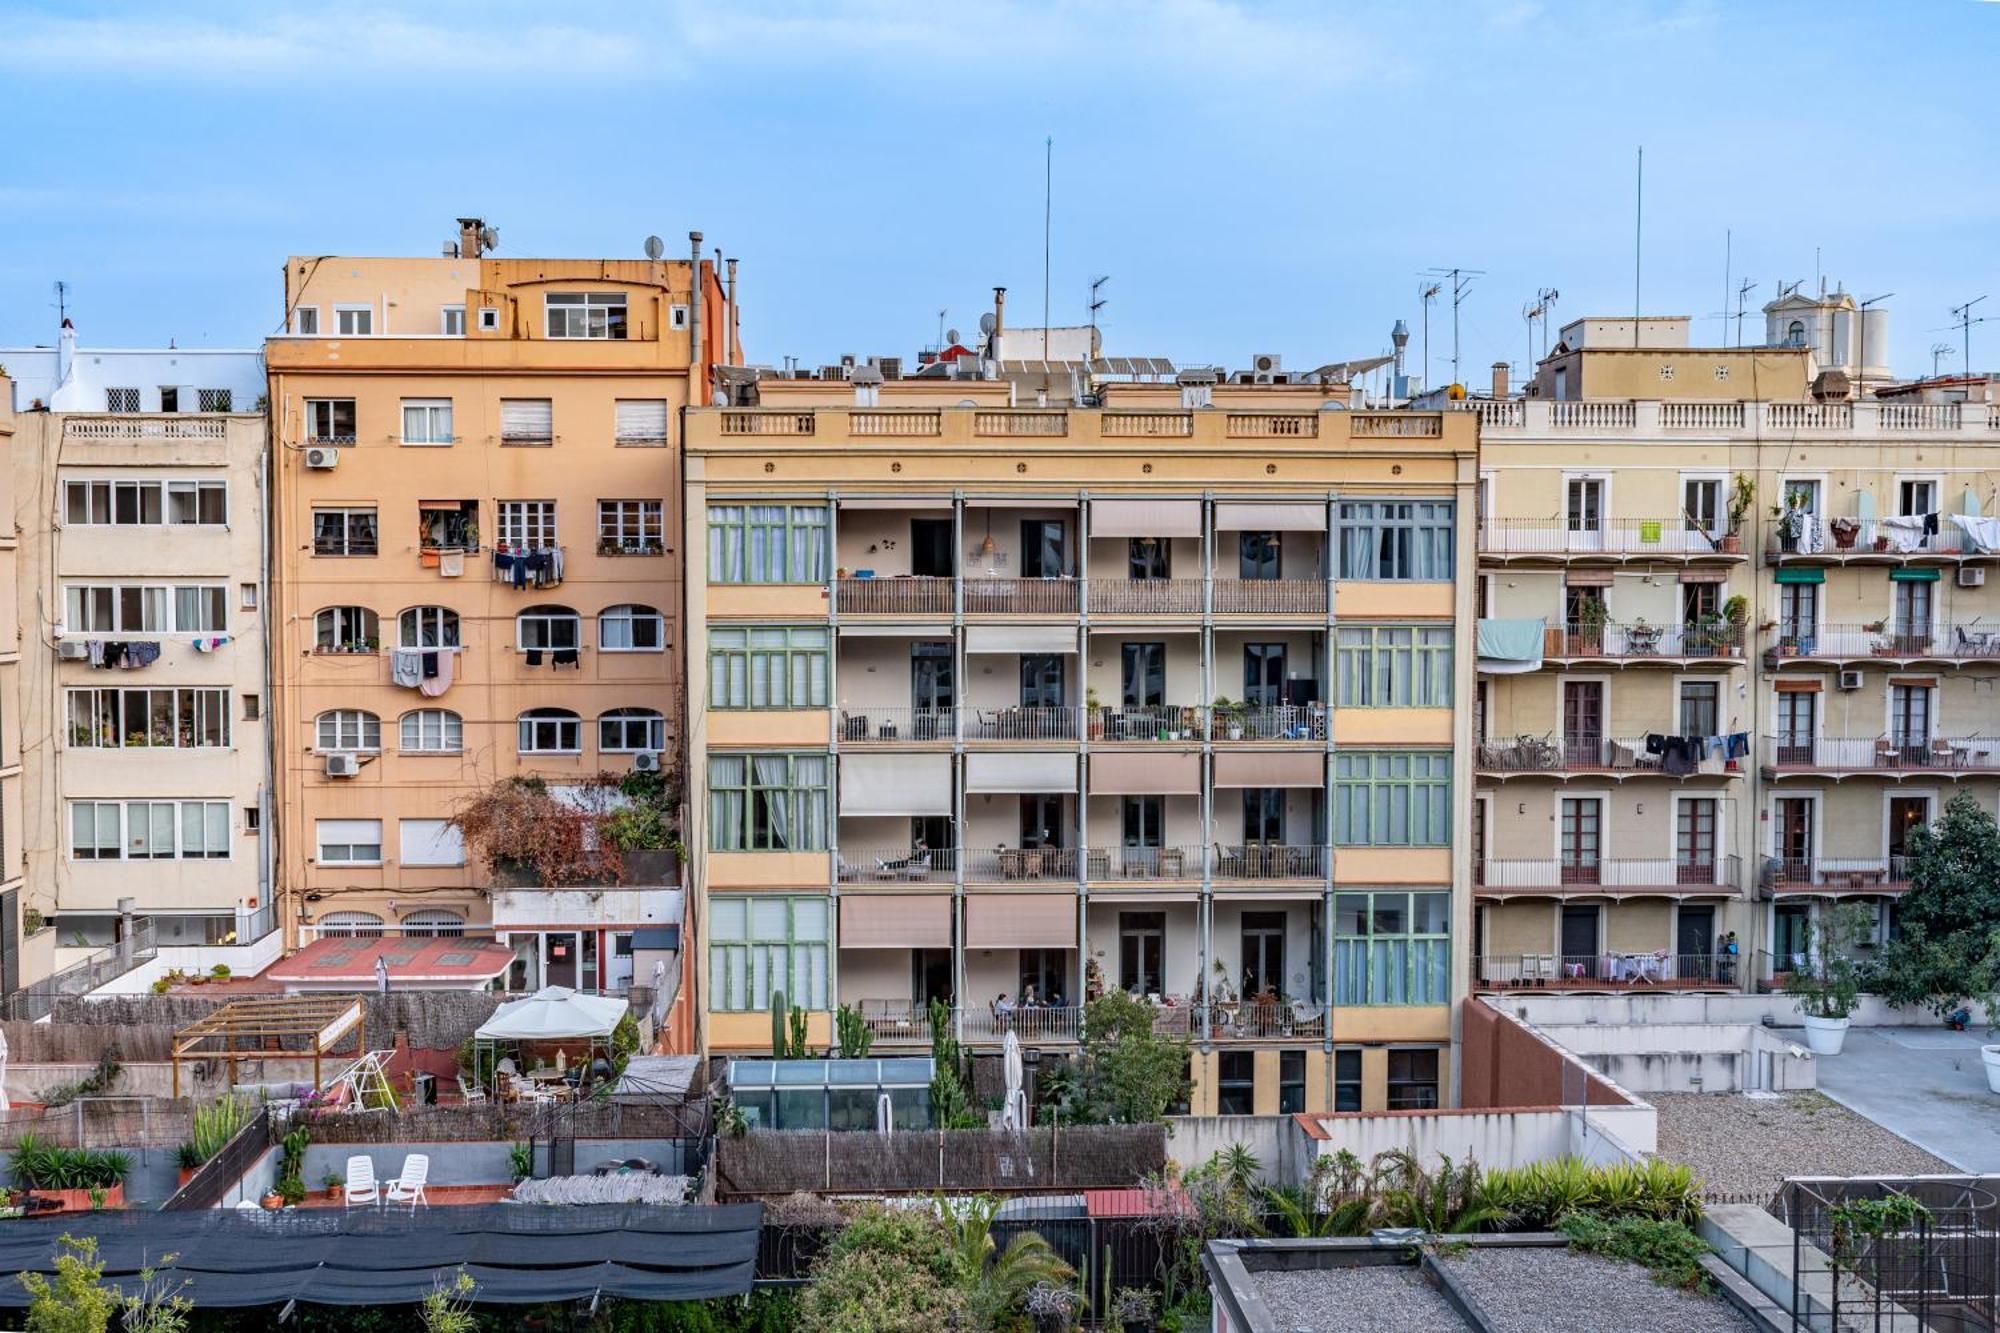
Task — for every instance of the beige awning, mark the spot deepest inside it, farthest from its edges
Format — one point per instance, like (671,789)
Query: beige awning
(1145,773)
(1269,516)
(1268,769)
(896,502)
(1020,772)
(1704,576)
(1588,578)
(870,629)
(1145,518)
(1020,921)
(901,921)
(895,784)
(1020,638)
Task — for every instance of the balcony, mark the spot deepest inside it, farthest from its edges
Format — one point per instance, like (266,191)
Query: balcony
(985,596)
(1145,597)
(1870,541)
(1264,862)
(1016,865)
(870,725)
(904,595)
(898,865)
(1275,722)
(1883,641)
(1606,877)
(1157,723)
(1062,723)
(1270,597)
(1598,757)
(1260,1020)
(1607,971)
(1108,865)
(1881,756)
(1621,539)
(1823,876)
(1641,642)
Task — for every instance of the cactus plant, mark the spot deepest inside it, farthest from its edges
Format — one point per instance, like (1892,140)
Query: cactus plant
(779,1013)
(799,1051)
(855,1038)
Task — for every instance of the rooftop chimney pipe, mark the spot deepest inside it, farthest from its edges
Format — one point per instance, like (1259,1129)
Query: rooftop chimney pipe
(999,318)
(1499,379)
(1399,338)
(468,237)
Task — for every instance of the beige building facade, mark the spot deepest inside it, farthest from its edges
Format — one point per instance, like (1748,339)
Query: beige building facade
(26,955)
(1004,707)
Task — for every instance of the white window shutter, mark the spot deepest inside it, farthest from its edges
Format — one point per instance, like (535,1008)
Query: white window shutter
(527,419)
(642,421)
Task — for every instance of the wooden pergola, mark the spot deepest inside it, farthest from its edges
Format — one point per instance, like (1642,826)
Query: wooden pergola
(270,1027)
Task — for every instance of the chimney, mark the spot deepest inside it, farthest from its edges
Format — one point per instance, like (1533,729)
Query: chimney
(65,360)
(1499,379)
(697,372)
(468,237)
(999,319)
(729,330)
(1399,338)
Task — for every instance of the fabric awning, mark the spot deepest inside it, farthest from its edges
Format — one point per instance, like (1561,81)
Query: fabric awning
(1795,574)
(1020,772)
(895,784)
(1913,576)
(1020,638)
(896,502)
(1798,686)
(899,921)
(1235,768)
(553,1012)
(1145,518)
(1020,921)
(868,629)
(1145,773)
(1588,578)
(1269,516)
(1704,576)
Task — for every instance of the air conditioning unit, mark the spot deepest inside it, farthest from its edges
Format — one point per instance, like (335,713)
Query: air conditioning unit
(1850,680)
(323,459)
(343,765)
(1266,368)
(1971,576)
(646,761)
(73,650)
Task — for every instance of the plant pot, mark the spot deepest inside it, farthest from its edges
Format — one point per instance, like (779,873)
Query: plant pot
(1990,1057)
(1881,543)
(187,1173)
(1732,544)
(78,1201)
(1825,1036)
(272,1202)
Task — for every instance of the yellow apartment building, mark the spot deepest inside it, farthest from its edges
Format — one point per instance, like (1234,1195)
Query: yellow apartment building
(25,956)
(1852,669)
(1004,707)
(478,556)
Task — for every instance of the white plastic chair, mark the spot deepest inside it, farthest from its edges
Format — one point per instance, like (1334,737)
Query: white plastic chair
(409,1186)
(361,1186)
(471,1093)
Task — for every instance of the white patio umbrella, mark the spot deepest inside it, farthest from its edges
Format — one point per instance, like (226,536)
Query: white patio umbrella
(1014,1109)
(5,1105)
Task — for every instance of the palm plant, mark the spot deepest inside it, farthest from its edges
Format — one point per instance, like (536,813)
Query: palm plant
(1447,1201)
(997,1281)
(1301,1216)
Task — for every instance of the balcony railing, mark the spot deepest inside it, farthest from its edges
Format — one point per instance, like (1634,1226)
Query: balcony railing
(1276,722)
(1021,724)
(1598,971)
(767,423)
(1590,874)
(1010,865)
(898,865)
(1640,639)
(1275,425)
(1145,597)
(994,596)
(1593,754)
(1888,537)
(901,596)
(1271,597)
(898,725)
(541,567)
(1663,538)
(1270,861)
(36,1002)
(167,426)
(1111,864)
(1029,1025)
(1129,425)
(1158,722)
(1020,423)
(901,422)
(1258,1020)
(1804,874)
(1886,638)
(1887,753)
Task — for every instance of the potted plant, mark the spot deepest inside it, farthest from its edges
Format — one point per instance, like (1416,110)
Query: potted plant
(521,1158)
(1742,494)
(272,1201)
(1586,635)
(333,1182)
(1093,712)
(187,1157)
(1828,986)
(1229,717)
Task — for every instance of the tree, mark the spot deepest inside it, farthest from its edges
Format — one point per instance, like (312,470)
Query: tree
(73,1303)
(1948,915)
(448,1308)
(1131,1074)
(1830,983)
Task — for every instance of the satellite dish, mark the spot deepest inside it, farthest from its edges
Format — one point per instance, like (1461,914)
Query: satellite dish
(655,247)
(489,238)
(986,322)
(951,335)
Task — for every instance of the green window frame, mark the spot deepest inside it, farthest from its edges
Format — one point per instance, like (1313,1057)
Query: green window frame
(768,802)
(1392,947)
(766,543)
(768,666)
(762,944)
(1400,540)
(1394,666)
(1391,798)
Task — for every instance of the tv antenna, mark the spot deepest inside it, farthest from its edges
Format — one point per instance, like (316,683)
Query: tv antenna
(1461,282)
(941,343)
(1048,207)
(1938,350)
(1962,316)
(62,302)
(1426,294)
(1097,302)
(489,238)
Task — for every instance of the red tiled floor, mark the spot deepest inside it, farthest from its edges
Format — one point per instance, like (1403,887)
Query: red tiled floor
(439,1196)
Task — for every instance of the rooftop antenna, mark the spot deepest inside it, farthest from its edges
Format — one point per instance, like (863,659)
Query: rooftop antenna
(1743,290)
(655,247)
(1638,239)
(62,302)
(1938,350)
(1426,294)
(1963,315)
(1097,303)
(1728,238)
(1048,203)
(942,312)
(1461,282)
(1547,298)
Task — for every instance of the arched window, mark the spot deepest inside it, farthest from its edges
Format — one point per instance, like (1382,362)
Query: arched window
(631,628)
(551,731)
(350,923)
(548,629)
(349,729)
(346,629)
(432,731)
(629,730)
(433,923)
(1795,334)
(428,627)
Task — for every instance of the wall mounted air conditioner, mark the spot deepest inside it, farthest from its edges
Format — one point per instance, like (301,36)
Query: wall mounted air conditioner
(73,650)
(646,761)
(323,459)
(342,765)
(1971,576)
(1850,680)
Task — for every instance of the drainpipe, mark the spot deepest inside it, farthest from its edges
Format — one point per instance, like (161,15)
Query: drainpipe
(729,330)
(697,377)
(266,812)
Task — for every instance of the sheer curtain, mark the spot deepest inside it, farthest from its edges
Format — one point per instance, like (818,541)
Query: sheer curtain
(726,803)
(725,544)
(809,781)
(808,546)
(1357,543)
(772,790)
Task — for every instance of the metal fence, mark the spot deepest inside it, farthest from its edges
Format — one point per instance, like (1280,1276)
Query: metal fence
(213,1180)
(1894,1253)
(36,1002)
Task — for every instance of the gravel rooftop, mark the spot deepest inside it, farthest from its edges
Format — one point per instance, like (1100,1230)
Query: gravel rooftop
(1554,1291)
(1357,1300)
(1743,1147)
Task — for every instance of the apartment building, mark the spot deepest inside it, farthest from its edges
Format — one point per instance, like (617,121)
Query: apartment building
(142,684)
(1004,707)
(1668,565)
(25,956)
(478,555)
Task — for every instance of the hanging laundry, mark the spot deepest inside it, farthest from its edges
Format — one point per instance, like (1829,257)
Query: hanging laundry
(451,564)
(1737,746)
(1904,531)
(437,675)
(1677,755)
(534,657)
(404,668)
(565,657)
(1655,743)
(142,654)
(95,647)
(430,664)
(1982,534)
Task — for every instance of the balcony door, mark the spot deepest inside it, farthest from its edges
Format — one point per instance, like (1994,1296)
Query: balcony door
(1798,615)
(930,977)
(1701,510)
(1144,821)
(1579,938)
(1694,939)
(1148,559)
(1042,680)
(1907,814)
(1264,815)
(1044,549)
(1042,820)
(1264,674)
(1582,834)
(1798,725)
(1478,841)
(1585,516)
(1794,846)
(1583,722)
(1257,556)
(931,553)
(1912,623)
(1695,840)
(1263,953)
(1042,972)
(933,677)
(1910,722)
(1142,952)
(1142,675)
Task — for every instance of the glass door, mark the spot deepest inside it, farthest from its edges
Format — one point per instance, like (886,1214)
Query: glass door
(560,958)
(1257,556)
(1797,727)
(1910,723)
(1044,549)
(1694,841)
(931,555)
(1701,511)
(1583,723)
(1142,952)
(1145,830)
(1579,939)
(1263,954)
(1582,840)
(933,689)
(1794,848)
(1586,514)
(1907,814)
(1912,623)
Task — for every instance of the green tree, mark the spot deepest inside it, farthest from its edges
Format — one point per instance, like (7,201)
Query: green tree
(998,1281)
(1947,916)
(158,1305)
(1131,1074)
(448,1308)
(74,1302)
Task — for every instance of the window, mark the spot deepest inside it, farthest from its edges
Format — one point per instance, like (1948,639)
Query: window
(1236,1083)
(247,600)
(427,421)
(432,731)
(1795,333)
(631,628)
(428,627)
(767,667)
(677,316)
(170,398)
(489,319)
(149,830)
(527,421)
(451,321)
(201,610)
(145,503)
(527,525)
(767,544)
(1384,666)
(1396,539)
(330,420)
(764,944)
(631,730)
(1291,1082)
(1701,708)
(133,719)
(214,400)
(1259,555)
(349,842)
(344,532)
(1142,942)
(145,609)
(1264,815)
(121,400)
(641,421)
(346,629)
(548,629)
(551,731)
(1347,1079)
(1392,798)
(1916,498)
(435,924)
(1148,558)
(767,802)
(305,321)
(430,842)
(347,925)
(1701,506)
(350,729)
(353,321)
(1413,1080)
(253,819)
(1392,948)
(1142,674)
(586,314)
(253,707)
(630,527)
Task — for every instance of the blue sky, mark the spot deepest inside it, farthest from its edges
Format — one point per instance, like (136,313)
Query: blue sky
(1254,177)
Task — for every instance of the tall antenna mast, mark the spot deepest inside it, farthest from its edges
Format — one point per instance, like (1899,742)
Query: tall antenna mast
(62,301)
(941,314)
(1461,283)
(1743,289)
(1097,303)
(1728,237)
(1048,203)
(1963,314)
(1426,294)
(1638,240)
(1546,298)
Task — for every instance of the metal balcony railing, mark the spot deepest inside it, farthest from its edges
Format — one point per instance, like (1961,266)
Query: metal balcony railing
(1596,971)
(1155,722)
(1270,722)
(901,596)
(1270,861)
(1666,537)
(1111,864)
(1866,536)
(997,596)
(1021,724)
(1888,753)
(1145,597)
(1627,640)
(1029,1025)
(898,865)
(1549,754)
(1010,865)
(1943,640)
(1256,1020)
(36,1002)
(1569,874)
(1800,874)
(1272,597)
(906,726)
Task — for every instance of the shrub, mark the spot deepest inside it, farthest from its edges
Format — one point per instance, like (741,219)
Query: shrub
(216,1124)
(1540,1195)
(864,1291)
(74,1302)
(1668,1250)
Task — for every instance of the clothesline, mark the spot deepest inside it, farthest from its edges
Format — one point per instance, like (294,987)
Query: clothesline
(1683,754)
